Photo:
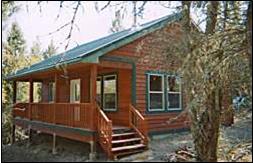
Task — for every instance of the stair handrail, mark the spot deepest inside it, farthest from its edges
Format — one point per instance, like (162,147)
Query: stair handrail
(104,127)
(135,118)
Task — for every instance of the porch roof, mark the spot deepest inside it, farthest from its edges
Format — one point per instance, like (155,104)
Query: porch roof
(91,51)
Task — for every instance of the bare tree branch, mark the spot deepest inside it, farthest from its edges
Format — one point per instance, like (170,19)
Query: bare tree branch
(108,3)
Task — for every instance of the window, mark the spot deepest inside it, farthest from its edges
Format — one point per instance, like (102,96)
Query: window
(51,92)
(37,92)
(99,88)
(174,93)
(109,93)
(75,91)
(155,93)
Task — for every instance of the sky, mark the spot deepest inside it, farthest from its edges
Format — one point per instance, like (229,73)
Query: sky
(37,25)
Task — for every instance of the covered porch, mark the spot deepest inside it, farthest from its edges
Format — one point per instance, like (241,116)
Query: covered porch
(85,102)
(70,96)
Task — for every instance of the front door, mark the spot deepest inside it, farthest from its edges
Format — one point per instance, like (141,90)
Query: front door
(107,92)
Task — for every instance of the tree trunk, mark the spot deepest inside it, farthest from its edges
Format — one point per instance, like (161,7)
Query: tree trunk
(205,131)
(205,125)
(186,9)
(249,40)
(211,16)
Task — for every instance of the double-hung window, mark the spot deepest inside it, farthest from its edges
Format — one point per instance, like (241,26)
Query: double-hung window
(174,93)
(164,92)
(75,91)
(155,92)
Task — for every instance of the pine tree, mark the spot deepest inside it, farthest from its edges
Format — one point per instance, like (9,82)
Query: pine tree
(50,51)
(12,59)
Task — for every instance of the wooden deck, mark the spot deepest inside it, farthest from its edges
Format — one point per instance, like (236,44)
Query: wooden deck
(84,122)
(68,114)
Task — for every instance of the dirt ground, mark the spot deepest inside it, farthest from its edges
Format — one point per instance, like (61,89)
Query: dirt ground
(230,143)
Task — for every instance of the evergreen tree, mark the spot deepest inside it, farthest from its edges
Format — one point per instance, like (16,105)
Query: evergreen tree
(50,51)
(12,59)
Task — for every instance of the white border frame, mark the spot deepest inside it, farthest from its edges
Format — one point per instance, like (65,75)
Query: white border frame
(163,104)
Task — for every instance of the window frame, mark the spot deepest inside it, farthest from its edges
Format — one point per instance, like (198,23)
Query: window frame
(72,96)
(162,91)
(103,92)
(173,92)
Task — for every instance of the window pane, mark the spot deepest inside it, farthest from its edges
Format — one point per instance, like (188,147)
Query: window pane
(156,100)
(110,100)
(37,92)
(174,100)
(155,83)
(98,86)
(22,92)
(98,95)
(75,90)
(51,91)
(173,84)
(110,85)
(109,92)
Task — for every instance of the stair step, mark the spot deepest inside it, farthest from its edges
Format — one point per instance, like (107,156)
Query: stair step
(120,128)
(122,154)
(127,147)
(124,134)
(125,140)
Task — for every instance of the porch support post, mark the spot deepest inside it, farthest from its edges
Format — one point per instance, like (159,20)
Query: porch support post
(31,91)
(30,135)
(13,137)
(56,88)
(93,81)
(14,96)
(93,90)
(30,97)
(54,144)
(14,100)
(92,154)
(55,96)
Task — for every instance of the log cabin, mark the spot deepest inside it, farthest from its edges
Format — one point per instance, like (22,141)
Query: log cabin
(112,91)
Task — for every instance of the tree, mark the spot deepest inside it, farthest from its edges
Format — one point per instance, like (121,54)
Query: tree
(8,9)
(13,59)
(51,50)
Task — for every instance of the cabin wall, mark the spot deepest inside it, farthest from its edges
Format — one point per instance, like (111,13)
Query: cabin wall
(121,116)
(149,54)
(63,86)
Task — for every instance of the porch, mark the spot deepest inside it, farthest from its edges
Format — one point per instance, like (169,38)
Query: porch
(61,111)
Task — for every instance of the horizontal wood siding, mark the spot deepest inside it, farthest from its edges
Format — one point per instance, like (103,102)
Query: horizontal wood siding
(120,117)
(149,56)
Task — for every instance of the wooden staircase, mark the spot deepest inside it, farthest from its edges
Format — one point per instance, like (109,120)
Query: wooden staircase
(125,142)
(122,141)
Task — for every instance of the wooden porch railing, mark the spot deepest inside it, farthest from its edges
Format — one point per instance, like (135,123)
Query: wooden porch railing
(138,123)
(104,127)
(21,110)
(69,114)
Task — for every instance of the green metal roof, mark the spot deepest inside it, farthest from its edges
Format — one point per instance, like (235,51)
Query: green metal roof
(91,51)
